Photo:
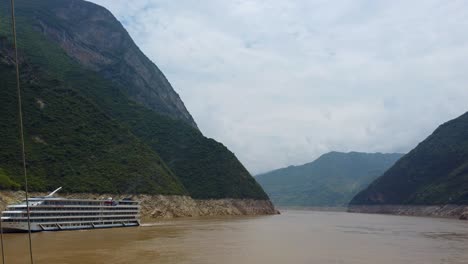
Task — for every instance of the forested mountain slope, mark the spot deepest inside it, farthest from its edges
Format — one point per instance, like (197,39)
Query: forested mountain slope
(331,180)
(99,116)
(435,172)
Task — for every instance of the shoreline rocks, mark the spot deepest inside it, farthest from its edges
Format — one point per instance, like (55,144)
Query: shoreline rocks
(168,206)
(445,211)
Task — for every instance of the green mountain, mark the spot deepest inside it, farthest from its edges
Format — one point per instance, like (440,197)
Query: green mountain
(99,115)
(90,35)
(331,180)
(435,172)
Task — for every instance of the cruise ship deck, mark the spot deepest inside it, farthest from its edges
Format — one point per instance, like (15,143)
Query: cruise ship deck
(54,214)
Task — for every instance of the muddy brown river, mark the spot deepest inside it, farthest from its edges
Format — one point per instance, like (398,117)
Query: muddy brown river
(293,237)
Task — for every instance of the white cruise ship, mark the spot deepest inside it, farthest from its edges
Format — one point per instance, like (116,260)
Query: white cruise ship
(51,213)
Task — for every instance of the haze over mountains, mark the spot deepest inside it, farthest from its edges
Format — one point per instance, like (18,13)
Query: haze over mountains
(99,115)
(331,180)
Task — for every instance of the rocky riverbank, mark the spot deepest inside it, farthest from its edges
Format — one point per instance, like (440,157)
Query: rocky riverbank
(164,207)
(447,211)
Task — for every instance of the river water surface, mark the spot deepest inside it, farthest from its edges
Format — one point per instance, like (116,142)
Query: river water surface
(293,237)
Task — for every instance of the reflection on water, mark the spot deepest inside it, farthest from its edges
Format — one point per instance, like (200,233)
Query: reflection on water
(293,237)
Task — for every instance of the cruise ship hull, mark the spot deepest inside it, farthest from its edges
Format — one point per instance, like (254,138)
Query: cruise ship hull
(50,213)
(22,227)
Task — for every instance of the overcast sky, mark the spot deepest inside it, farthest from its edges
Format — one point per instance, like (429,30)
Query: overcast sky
(282,82)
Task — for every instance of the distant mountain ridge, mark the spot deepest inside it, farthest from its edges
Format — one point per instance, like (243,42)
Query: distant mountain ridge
(99,116)
(331,180)
(433,173)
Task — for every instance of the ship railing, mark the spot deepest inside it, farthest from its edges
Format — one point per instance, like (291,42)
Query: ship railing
(68,216)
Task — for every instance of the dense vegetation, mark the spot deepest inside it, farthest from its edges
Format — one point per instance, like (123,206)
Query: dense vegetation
(71,142)
(435,172)
(331,180)
(83,131)
(93,37)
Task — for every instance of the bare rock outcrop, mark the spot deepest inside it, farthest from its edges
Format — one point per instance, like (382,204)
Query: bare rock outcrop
(168,206)
(447,211)
(92,36)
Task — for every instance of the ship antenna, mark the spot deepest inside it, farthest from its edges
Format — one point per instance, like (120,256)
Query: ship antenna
(52,193)
(20,108)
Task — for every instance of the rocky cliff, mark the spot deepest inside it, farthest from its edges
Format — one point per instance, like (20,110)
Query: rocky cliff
(92,36)
(99,116)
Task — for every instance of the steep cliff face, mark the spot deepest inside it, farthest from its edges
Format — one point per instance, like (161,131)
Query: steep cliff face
(70,141)
(93,37)
(433,173)
(85,129)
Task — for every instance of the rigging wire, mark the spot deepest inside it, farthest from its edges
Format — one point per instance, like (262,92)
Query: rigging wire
(20,108)
(1,235)
(1,239)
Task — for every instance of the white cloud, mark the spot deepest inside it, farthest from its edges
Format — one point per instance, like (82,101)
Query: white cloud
(281,82)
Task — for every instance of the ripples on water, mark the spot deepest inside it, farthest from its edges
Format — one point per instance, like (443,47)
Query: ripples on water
(293,237)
